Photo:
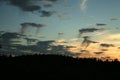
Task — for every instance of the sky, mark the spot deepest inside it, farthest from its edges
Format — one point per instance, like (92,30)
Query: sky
(78,28)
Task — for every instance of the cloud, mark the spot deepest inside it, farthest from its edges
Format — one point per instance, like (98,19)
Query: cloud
(41,47)
(98,52)
(0,46)
(87,30)
(100,24)
(30,40)
(2,32)
(60,35)
(106,45)
(49,0)
(9,35)
(114,19)
(59,42)
(33,24)
(53,0)
(20,3)
(6,38)
(83,5)
(25,5)
(49,47)
(118,47)
(24,26)
(70,47)
(31,8)
(86,42)
(46,13)
(47,5)
(84,51)
(104,49)
(111,38)
(74,40)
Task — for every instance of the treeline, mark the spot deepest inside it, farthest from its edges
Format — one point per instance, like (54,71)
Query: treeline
(57,64)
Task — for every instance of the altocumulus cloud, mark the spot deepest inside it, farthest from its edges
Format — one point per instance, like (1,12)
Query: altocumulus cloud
(87,30)
(25,25)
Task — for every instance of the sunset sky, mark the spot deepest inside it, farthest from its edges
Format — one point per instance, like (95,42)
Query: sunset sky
(79,28)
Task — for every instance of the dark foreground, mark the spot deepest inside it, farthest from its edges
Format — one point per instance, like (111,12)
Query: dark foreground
(53,66)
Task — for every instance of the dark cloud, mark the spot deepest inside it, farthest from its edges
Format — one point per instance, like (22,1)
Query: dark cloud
(2,32)
(31,8)
(104,49)
(47,5)
(19,3)
(100,24)
(24,27)
(87,30)
(68,6)
(40,48)
(106,45)
(33,24)
(98,52)
(25,5)
(0,46)
(86,42)
(60,35)
(53,0)
(43,47)
(46,13)
(70,47)
(30,40)
(114,19)
(9,35)
(1,2)
(13,42)
(84,51)
(49,0)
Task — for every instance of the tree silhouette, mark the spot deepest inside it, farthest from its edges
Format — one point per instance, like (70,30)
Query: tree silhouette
(59,65)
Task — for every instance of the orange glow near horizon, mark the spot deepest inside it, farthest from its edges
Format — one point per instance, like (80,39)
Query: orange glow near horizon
(112,52)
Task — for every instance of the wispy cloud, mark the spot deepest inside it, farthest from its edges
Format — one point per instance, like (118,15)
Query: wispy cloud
(83,5)
(86,42)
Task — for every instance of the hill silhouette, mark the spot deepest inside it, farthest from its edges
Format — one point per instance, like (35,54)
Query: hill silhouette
(57,65)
